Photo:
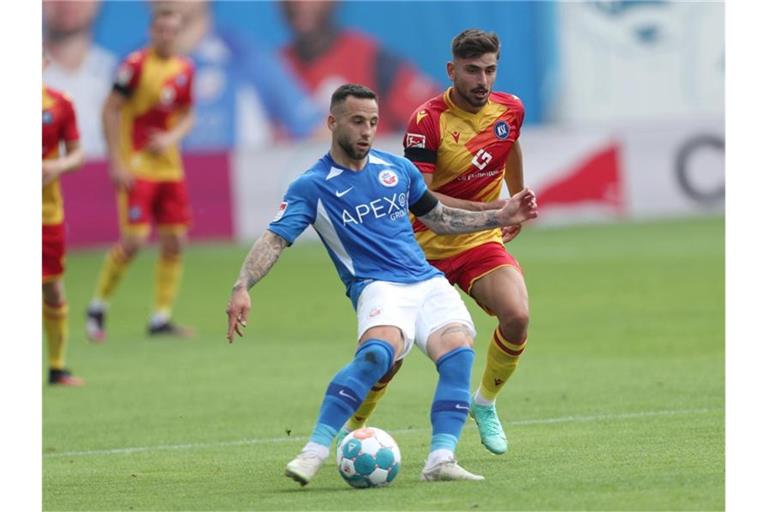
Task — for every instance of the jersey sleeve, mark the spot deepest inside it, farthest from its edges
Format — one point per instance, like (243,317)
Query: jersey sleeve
(127,76)
(296,211)
(69,131)
(421,141)
(417,187)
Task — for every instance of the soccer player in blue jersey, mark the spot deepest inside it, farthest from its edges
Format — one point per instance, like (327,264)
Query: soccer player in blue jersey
(357,199)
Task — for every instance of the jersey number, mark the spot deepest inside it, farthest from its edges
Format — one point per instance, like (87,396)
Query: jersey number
(482,159)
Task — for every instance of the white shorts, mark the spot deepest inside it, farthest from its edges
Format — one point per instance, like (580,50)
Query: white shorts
(417,309)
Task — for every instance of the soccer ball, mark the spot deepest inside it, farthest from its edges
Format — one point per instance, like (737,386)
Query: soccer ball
(368,457)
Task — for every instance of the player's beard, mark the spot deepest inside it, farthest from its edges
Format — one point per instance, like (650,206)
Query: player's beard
(471,99)
(352,151)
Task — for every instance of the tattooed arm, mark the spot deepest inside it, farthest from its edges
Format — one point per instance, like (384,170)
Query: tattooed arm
(257,264)
(445,220)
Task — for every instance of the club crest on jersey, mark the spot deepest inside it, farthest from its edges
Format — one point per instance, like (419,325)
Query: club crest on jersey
(134,213)
(415,140)
(501,129)
(280,211)
(47,117)
(388,178)
(167,95)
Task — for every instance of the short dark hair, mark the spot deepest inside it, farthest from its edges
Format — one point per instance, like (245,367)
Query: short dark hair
(163,10)
(474,42)
(356,90)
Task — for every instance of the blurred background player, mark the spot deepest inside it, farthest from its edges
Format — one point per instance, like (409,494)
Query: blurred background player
(59,127)
(324,56)
(145,117)
(245,95)
(357,199)
(465,142)
(78,65)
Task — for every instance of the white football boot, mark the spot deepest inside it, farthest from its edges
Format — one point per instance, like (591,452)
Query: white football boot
(304,467)
(447,470)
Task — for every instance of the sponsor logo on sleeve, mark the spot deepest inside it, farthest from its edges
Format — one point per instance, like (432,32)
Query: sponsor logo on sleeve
(280,211)
(415,140)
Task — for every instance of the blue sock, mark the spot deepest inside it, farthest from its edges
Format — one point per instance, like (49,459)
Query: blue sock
(350,386)
(450,406)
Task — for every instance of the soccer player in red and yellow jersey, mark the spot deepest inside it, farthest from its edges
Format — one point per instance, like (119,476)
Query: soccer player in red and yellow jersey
(465,143)
(59,127)
(145,117)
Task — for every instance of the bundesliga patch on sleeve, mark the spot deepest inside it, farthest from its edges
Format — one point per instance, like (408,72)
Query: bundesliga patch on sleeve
(280,211)
(415,140)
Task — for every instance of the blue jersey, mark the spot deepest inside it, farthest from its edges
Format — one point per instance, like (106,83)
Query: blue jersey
(361,217)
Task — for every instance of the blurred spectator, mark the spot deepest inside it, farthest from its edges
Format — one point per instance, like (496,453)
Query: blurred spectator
(78,66)
(326,56)
(245,95)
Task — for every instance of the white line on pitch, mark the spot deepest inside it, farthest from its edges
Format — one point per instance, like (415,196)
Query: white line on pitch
(285,439)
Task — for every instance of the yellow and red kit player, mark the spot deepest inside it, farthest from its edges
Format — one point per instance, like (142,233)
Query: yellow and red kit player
(145,117)
(59,128)
(465,143)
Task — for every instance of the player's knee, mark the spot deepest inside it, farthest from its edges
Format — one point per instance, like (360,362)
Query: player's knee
(53,293)
(172,246)
(130,247)
(375,358)
(514,322)
(449,338)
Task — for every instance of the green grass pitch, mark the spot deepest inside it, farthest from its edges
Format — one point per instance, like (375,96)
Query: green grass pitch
(618,403)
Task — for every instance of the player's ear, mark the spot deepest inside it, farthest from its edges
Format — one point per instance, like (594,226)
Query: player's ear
(451,69)
(331,122)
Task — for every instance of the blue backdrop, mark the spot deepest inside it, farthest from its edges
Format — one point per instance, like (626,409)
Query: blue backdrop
(421,31)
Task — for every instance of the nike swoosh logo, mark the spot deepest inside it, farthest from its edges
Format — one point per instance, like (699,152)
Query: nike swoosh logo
(346,395)
(343,192)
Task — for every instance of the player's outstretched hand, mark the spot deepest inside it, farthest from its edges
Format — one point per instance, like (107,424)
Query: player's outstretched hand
(520,208)
(237,312)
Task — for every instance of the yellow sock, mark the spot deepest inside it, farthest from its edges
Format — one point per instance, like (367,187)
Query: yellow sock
(167,279)
(56,325)
(112,270)
(374,395)
(500,364)
(367,407)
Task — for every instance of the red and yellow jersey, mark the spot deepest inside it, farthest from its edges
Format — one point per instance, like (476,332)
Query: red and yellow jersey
(466,155)
(157,90)
(59,125)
